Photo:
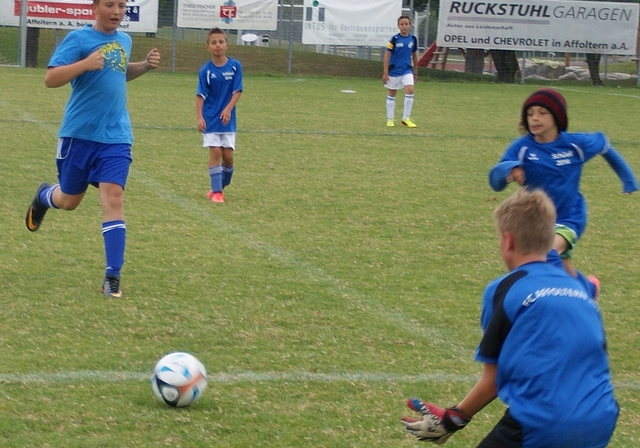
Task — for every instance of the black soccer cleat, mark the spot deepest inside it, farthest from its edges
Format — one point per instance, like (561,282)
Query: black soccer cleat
(37,210)
(111,287)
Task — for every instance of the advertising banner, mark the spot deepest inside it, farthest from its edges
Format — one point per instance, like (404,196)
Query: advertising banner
(353,22)
(228,14)
(553,26)
(142,15)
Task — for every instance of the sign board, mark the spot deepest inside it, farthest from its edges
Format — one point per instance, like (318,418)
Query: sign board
(538,25)
(141,16)
(228,14)
(353,22)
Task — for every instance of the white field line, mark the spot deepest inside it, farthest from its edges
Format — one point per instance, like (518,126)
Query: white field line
(230,378)
(87,376)
(597,92)
(314,274)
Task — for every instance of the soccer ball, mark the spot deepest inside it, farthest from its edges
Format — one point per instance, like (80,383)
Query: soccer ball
(179,379)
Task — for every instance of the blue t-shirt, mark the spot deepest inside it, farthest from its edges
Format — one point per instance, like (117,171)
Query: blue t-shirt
(402,49)
(544,332)
(96,109)
(216,85)
(556,168)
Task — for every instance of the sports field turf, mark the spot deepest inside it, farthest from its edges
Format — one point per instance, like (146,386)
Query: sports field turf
(342,275)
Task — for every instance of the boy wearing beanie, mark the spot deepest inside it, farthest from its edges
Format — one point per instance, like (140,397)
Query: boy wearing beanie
(550,158)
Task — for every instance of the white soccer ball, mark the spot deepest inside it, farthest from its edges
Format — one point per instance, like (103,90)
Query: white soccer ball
(179,379)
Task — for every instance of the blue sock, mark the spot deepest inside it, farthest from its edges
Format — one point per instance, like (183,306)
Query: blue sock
(46,196)
(115,238)
(227,173)
(215,172)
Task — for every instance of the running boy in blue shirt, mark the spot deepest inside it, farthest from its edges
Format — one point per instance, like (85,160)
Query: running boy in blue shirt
(549,157)
(543,348)
(94,146)
(218,92)
(400,70)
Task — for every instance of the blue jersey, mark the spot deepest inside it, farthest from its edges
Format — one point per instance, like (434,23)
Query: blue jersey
(401,49)
(556,168)
(216,85)
(96,109)
(544,332)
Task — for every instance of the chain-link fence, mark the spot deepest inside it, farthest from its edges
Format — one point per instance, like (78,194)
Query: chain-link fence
(41,42)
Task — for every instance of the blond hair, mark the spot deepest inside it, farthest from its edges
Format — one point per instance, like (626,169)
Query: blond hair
(530,216)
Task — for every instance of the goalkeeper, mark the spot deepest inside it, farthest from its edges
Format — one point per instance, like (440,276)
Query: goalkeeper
(543,348)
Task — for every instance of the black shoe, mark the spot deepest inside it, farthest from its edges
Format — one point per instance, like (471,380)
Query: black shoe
(37,210)
(111,287)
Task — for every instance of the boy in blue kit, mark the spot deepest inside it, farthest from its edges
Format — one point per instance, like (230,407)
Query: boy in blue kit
(543,348)
(550,158)
(94,146)
(400,70)
(218,92)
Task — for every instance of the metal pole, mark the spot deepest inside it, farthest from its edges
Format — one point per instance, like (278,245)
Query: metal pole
(290,55)
(414,19)
(280,8)
(23,33)
(414,25)
(174,36)
(426,32)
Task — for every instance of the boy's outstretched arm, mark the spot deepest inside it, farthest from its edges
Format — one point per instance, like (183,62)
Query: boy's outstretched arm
(483,393)
(622,169)
(438,424)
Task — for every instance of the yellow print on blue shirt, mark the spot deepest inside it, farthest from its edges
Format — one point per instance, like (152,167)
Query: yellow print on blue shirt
(115,57)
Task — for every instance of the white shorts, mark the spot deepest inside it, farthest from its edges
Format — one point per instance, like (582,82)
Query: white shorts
(226,140)
(399,82)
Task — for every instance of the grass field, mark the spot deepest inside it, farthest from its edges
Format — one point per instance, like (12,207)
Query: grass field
(342,276)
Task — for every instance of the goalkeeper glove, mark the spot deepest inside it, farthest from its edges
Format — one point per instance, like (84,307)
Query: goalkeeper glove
(437,424)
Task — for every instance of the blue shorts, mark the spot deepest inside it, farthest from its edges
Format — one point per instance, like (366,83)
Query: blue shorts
(83,162)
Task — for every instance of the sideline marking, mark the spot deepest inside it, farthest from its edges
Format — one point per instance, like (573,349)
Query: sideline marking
(315,275)
(255,377)
(231,378)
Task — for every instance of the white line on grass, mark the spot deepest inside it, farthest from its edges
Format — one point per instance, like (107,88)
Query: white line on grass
(54,125)
(242,377)
(254,377)
(314,274)
(23,116)
(599,92)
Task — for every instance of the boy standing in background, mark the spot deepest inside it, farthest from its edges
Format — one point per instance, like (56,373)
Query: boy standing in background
(400,70)
(218,92)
